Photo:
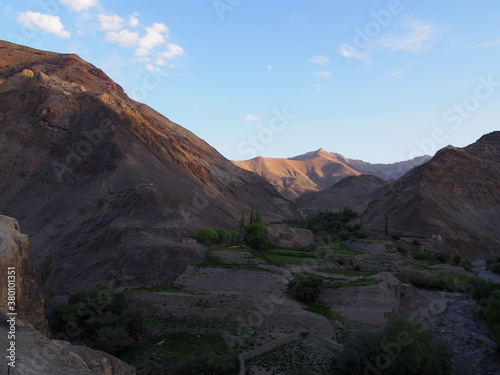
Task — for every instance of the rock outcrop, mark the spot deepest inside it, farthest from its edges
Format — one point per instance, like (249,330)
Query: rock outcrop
(15,260)
(289,237)
(454,197)
(36,355)
(106,185)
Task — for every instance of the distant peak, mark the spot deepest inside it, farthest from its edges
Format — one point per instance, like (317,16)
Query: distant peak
(313,154)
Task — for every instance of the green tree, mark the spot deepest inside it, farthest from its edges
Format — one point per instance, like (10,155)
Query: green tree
(207,235)
(223,235)
(258,218)
(241,231)
(386,221)
(491,313)
(257,236)
(306,288)
(252,217)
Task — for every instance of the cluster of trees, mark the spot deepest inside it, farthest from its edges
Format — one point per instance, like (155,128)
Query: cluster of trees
(402,347)
(254,234)
(333,224)
(100,318)
(488,296)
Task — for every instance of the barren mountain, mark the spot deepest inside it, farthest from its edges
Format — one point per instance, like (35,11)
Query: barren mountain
(455,195)
(354,192)
(105,186)
(319,170)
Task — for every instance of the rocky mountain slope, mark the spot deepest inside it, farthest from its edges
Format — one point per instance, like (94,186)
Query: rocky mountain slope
(455,195)
(354,192)
(105,186)
(35,353)
(319,170)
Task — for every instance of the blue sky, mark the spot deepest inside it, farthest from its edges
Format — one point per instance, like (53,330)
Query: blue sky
(380,81)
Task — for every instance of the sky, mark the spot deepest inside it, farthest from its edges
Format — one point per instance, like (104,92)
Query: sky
(380,81)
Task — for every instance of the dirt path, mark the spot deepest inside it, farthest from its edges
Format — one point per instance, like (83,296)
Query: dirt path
(483,272)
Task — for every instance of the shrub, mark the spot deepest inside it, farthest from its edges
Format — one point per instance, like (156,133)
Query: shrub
(207,363)
(402,347)
(403,247)
(223,235)
(424,255)
(417,242)
(257,236)
(306,288)
(491,313)
(207,235)
(100,318)
(363,231)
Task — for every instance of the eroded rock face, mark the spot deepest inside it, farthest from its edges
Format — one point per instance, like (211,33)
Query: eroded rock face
(15,257)
(290,237)
(36,355)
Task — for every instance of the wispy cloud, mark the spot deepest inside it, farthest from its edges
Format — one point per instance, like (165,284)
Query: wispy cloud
(251,117)
(396,73)
(113,22)
(422,37)
(43,22)
(322,74)
(79,5)
(269,67)
(352,53)
(133,20)
(320,60)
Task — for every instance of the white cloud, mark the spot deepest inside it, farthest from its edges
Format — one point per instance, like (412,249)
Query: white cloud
(251,117)
(79,5)
(152,68)
(493,43)
(154,37)
(320,60)
(422,37)
(322,74)
(124,38)
(43,22)
(110,22)
(133,21)
(351,53)
(173,51)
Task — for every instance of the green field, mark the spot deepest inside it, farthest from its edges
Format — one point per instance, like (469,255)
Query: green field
(363,282)
(290,259)
(381,260)
(347,272)
(343,252)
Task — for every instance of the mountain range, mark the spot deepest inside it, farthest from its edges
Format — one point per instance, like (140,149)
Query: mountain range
(320,170)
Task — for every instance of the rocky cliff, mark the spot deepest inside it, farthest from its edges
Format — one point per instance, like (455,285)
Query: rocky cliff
(15,261)
(455,196)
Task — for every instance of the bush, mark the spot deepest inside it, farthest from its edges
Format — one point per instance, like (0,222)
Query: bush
(208,363)
(403,247)
(495,267)
(402,347)
(223,235)
(417,242)
(363,231)
(101,319)
(207,235)
(306,288)
(256,235)
(491,313)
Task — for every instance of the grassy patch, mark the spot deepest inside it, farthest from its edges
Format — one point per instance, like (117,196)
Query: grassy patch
(363,282)
(288,259)
(212,261)
(325,311)
(450,282)
(346,272)
(343,252)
